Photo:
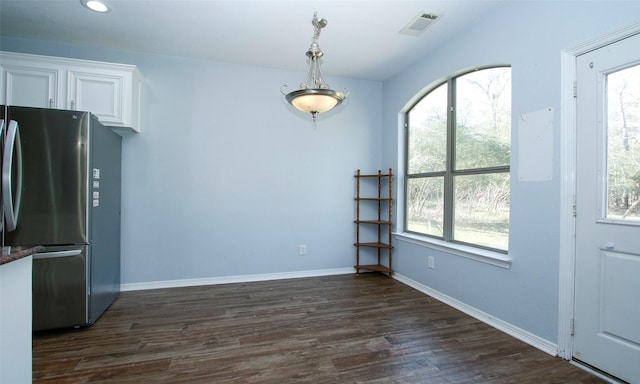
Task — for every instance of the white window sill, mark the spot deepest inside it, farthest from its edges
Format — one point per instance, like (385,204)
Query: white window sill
(485,256)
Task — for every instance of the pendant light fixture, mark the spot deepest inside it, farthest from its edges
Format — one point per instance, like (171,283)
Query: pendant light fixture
(315,96)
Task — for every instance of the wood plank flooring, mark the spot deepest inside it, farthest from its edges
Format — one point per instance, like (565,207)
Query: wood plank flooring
(337,329)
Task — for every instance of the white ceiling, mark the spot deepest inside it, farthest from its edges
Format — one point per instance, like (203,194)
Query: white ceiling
(361,39)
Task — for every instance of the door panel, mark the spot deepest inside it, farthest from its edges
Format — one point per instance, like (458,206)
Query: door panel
(99,93)
(55,177)
(607,283)
(31,87)
(618,276)
(60,288)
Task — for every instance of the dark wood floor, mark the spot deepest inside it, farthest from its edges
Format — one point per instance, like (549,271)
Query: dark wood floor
(335,329)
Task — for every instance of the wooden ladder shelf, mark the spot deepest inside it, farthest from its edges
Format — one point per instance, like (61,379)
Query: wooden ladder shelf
(373,233)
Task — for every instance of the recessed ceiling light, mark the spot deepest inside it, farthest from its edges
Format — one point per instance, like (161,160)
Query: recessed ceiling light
(96,5)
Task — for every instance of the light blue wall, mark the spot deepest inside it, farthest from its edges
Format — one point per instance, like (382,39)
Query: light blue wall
(226,179)
(214,187)
(530,36)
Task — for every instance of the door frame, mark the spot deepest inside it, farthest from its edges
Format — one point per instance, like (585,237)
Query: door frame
(568,79)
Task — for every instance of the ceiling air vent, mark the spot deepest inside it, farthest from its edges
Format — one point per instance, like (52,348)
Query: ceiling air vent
(419,24)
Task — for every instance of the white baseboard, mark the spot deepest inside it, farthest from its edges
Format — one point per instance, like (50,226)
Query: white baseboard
(510,329)
(233,279)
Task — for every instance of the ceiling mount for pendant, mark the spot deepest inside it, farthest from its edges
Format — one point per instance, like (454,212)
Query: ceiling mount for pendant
(315,96)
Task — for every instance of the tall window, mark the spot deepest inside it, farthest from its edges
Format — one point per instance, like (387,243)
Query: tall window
(457,160)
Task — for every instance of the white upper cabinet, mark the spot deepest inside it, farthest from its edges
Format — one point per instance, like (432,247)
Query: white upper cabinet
(101,93)
(110,91)
(30,86)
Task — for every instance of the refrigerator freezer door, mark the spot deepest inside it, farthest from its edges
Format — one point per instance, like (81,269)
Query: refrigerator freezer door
(55,177)
(60,288)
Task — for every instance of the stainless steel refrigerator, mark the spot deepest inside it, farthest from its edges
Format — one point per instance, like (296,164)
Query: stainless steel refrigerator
(68,202)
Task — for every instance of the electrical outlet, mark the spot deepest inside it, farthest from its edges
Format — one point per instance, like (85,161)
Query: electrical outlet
(431,262)
(302,249)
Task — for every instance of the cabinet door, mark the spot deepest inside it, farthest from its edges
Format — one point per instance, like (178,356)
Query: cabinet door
(15,321)
(110,91)
(30,87)
(98,93)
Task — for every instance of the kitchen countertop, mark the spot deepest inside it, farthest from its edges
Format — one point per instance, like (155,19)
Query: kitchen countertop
(10,254)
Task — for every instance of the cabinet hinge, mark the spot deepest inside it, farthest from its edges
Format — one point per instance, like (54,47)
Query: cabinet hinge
(575,89)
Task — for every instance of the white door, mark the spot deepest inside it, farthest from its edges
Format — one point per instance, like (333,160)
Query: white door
(607,280)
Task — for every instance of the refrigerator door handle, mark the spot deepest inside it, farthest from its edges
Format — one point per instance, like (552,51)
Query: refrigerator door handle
(1,201)
(11,205)
(52,255)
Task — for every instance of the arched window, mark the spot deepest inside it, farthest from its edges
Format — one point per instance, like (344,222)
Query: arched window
(458,146)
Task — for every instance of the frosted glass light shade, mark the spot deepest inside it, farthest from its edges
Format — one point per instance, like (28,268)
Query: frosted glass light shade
(315,100)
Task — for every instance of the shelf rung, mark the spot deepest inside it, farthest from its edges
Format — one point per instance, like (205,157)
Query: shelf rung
(374,245)
(372,222)
(374,267)
(374,175)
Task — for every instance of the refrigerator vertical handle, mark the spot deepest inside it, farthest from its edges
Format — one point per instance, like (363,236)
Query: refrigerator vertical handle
(1,200)
(12,203)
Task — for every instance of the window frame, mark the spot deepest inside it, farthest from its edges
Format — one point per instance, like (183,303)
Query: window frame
(446,242)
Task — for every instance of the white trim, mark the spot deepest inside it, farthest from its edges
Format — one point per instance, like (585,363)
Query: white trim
(485,256)
(399,183)
(233,279)
(567,200)
(585,367)
(568,183)
(508,328)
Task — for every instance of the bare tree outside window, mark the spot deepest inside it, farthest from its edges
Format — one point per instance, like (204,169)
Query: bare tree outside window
(458,153)
(623,144)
